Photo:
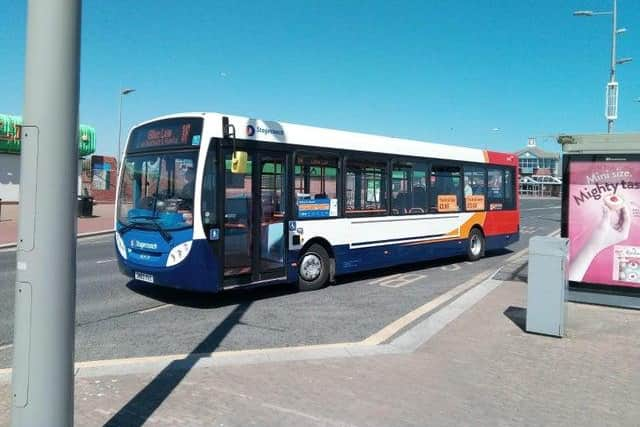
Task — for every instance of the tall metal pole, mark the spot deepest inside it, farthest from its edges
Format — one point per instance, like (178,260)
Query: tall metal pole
(612,75)
(42,383)
(119,156)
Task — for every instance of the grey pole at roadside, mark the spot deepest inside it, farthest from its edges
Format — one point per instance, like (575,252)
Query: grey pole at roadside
(612,73)
(42,383)
(123,93)
(119,155)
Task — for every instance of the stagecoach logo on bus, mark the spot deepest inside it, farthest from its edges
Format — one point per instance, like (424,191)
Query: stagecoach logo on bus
(143,245)
(252,130)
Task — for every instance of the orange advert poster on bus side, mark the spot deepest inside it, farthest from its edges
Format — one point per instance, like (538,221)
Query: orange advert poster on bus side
(447,203)
(474,203)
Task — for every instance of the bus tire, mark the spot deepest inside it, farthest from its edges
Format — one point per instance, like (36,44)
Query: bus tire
(313,268)
(476,245)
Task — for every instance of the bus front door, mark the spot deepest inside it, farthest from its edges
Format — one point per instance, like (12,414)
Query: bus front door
(254,219)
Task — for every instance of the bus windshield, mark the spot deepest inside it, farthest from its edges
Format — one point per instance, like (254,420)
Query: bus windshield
(157,190)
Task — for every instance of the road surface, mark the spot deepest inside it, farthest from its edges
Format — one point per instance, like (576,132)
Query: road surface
(117,318)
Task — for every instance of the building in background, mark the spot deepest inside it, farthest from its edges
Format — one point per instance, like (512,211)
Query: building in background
(535,161)
(99,178)
(540,171)
(10,144)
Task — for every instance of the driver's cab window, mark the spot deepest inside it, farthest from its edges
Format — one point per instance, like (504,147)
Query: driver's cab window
(158,188)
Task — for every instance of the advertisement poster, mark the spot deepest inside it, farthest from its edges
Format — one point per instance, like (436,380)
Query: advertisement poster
(474,203)
(447,203)
(604,222)
(316,208)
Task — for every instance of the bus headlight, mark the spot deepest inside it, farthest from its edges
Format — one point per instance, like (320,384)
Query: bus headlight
(179,253)
(121,247)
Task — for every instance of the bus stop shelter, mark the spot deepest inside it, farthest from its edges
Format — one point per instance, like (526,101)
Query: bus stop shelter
(601,217)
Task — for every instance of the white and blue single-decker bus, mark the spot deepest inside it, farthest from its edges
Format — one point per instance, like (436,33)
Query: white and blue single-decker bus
(207,202)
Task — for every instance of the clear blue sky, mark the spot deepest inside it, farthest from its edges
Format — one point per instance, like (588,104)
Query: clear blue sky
(443,71)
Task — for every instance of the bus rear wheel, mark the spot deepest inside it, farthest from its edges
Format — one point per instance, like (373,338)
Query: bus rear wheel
(313,268)
(476,246)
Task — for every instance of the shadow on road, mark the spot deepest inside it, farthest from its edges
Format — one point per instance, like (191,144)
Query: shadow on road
(203,300)
(138,410)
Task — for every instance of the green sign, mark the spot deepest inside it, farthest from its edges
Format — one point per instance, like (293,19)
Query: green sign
(10,136)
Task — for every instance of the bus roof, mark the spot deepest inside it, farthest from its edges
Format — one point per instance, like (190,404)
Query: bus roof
(289,133)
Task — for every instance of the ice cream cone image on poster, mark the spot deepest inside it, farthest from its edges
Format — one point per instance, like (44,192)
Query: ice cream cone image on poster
(615,203)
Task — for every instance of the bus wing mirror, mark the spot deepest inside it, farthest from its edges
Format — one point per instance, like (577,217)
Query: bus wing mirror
(239,162)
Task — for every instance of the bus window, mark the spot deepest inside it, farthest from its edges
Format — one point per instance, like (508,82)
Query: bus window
(446,189)
(316,188)
(409,188)
(509,189)
(400,185)
(474,188)
(365,187)
(496,189)
(159,186)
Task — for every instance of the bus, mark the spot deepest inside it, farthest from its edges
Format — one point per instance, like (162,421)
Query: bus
(207,202)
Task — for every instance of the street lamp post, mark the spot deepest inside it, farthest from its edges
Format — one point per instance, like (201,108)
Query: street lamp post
(611,102)
(123,93)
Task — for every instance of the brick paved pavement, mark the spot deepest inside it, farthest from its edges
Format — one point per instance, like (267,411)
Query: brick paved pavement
(482,369)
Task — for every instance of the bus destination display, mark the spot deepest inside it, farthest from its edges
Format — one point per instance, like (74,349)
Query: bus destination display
(167,133)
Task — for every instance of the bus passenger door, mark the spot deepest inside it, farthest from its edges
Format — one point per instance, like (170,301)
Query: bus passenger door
(238,222)
(270,222)
(254,219)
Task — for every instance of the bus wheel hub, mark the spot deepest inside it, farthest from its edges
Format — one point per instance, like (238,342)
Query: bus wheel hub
(310,267)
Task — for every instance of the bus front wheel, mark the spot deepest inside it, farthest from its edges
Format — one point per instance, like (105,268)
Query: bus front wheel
(313,268)
(476,247)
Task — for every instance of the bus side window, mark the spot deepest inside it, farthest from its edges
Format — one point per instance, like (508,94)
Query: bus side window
(366,187)
(316,185)
(509,189)
(495,189)
(409,188)
(400,189)
(446,189)
(474,188)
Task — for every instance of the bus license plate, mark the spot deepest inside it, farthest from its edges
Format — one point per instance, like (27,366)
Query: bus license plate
(144,277)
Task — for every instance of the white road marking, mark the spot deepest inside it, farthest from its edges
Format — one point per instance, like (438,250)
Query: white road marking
(322,420)
(104,261)
(399,280)
(156,308)
(394,327)
(450,267)
(383,279)
(6,347)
